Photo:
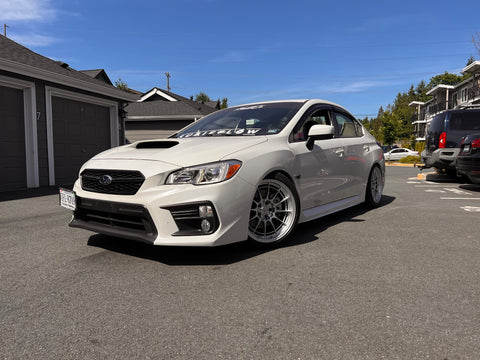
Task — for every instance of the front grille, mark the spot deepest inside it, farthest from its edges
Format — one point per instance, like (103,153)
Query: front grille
(118,219)
(118,182)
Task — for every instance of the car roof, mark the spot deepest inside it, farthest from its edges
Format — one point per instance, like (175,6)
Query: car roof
(307,102)
(313,101)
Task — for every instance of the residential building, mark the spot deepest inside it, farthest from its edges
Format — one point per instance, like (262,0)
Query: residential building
(52,118)
(445,97)
(160,113)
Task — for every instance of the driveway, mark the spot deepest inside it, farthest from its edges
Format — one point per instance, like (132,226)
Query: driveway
(397,282)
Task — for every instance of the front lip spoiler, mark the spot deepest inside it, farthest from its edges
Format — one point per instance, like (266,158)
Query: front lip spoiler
(107,217)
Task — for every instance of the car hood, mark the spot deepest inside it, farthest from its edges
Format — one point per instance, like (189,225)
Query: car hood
(175,153)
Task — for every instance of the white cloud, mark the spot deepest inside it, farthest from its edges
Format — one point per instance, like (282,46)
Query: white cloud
(355,87)
(34,40)
(232,56)
(26,10)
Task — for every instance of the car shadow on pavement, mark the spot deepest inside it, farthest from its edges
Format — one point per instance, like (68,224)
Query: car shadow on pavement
(177,255)
(308,231)
(227,254)
(470,187)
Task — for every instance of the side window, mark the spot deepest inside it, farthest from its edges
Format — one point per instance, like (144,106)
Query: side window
(300,132)
(347,126)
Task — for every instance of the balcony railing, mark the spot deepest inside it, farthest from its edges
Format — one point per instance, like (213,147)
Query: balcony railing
(434,109)
(474,92)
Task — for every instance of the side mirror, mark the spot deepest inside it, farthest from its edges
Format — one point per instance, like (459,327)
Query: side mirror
(319,132)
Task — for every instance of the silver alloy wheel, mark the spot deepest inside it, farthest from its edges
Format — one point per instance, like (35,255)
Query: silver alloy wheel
(376,185)
(273,212)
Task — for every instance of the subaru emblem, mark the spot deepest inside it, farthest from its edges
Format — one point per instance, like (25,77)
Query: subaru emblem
(105,180)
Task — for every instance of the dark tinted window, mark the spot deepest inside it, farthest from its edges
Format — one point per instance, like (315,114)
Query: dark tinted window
(465,120)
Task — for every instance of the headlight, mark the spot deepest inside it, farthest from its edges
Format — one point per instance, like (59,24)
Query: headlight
(205,174)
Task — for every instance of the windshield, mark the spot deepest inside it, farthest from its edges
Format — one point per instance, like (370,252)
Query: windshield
(248,120)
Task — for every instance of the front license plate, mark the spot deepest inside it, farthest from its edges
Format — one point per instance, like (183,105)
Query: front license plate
(67,199)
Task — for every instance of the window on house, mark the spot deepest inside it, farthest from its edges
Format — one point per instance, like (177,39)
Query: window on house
(464,95)
(454,100)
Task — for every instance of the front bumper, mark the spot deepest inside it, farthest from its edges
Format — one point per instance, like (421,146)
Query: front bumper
(147,216)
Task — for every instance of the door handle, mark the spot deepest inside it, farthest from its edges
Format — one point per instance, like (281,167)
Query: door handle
(366,147)
(340,152)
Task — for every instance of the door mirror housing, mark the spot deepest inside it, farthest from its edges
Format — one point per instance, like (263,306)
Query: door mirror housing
(319,132)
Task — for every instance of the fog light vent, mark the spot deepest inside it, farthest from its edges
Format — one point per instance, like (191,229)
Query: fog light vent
(194,219)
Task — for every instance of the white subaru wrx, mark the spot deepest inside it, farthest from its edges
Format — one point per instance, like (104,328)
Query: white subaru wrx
(247,172)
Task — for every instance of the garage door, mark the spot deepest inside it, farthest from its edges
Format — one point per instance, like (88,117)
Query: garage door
(80,131)
(13,174)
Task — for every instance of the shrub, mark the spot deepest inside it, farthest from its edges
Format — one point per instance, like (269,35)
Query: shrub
(410,160)
(420,146)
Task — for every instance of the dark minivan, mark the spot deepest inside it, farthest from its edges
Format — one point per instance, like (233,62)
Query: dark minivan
(444,136)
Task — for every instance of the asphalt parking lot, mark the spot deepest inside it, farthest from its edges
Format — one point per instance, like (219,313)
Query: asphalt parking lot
(397,282)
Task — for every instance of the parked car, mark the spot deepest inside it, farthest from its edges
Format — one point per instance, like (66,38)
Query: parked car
(250,171)
(399,153)
(446,131)
(468,161)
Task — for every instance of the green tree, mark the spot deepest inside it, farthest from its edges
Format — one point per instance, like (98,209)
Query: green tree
(470,60)
(202,97)
(224,103)
(391,128)
(445,79)
(122,85)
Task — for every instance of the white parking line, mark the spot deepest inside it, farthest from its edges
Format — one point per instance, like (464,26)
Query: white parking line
(471,208)
(458,191)
(458,198)
(433,187)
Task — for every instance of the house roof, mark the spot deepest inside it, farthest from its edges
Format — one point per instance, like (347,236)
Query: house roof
(18,59)
(161,109)
(160,94)
(439,88)
(98,74)
(159,104)
(473,67)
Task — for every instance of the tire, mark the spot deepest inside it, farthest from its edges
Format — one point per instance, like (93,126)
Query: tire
(374,192)
(274,212)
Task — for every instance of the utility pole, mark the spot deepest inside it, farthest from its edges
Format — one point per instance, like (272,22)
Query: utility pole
(5,29)
(167,74)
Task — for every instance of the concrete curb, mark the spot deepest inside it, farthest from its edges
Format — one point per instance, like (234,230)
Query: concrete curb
(399,164)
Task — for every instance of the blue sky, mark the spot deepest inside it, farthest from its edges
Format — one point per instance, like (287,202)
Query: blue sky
(359,54)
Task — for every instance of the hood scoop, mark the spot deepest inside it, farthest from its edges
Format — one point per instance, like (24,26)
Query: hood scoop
(156,144)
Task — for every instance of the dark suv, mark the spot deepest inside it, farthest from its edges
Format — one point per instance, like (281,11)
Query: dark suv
(444,136)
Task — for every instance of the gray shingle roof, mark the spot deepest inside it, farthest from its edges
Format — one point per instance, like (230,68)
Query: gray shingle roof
(158,106)
(161,107)
(14,52)
(98,74)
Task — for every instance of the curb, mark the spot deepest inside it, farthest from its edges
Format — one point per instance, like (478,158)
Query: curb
(399,164)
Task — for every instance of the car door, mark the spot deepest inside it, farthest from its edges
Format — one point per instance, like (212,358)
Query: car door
(319,172)
(397,154)
(357,151)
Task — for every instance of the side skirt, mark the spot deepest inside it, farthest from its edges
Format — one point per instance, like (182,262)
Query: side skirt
(330,208)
